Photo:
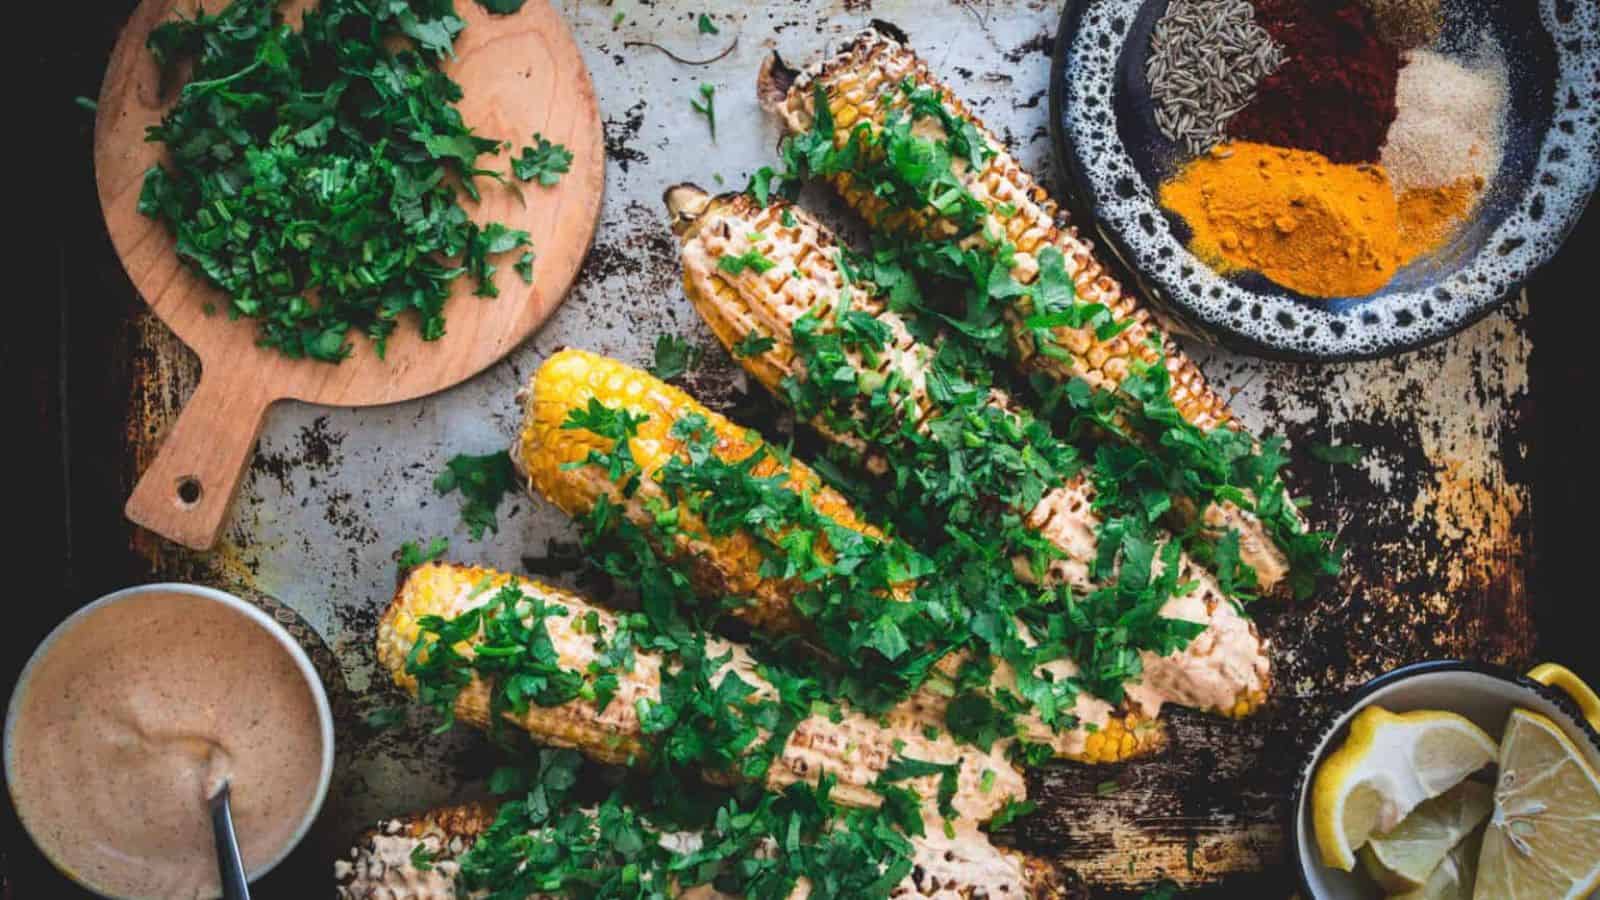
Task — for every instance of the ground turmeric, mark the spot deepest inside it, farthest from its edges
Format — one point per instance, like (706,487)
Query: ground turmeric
(1429,216)
(1316,227)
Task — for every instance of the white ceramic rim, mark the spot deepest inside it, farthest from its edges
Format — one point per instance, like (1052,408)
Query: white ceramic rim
(1367,694)
(319,696)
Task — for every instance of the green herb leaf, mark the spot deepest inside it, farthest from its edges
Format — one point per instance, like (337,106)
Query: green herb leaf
(708,108)
(674,356)
(706,25)
(544,161)
(502,7)
(483,482)
(1336,454)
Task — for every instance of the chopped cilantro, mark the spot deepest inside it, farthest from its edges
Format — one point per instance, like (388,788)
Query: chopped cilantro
(422,857)
(706,25)
(502,7)
(674,356)
(544,161)
(753,344)
(750,259)
(483,482)
(708,108)
(311,175)
(1336,454)
(412,556)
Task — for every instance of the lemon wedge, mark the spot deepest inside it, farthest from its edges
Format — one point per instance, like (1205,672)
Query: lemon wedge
(1403,858)
(1453,878)
(1389,763)
(1543,838)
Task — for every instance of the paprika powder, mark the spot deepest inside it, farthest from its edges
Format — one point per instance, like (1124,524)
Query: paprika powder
(1334,93)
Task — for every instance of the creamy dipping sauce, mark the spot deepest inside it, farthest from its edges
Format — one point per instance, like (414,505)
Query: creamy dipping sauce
(132,717)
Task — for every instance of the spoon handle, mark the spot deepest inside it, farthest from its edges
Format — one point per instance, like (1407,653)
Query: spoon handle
(230,868)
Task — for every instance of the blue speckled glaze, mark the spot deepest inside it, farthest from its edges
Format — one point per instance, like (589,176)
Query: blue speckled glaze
(1115,157)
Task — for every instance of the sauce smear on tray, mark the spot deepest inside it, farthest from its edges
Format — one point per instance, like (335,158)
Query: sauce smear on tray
(134,716)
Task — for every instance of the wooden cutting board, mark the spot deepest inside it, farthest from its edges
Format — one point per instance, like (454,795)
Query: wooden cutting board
(520,73)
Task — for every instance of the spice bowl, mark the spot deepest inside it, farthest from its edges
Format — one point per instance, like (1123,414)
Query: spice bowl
(1483,693)
(1123,143)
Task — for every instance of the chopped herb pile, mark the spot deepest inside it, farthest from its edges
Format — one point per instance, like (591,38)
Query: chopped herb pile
(312,174)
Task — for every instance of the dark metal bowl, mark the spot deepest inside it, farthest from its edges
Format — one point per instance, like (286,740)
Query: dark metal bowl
(1114,158)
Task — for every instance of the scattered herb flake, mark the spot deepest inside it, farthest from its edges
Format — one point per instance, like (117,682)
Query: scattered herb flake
(483,482)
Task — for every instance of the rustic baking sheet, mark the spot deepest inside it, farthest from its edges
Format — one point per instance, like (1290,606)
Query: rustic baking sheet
(1436,515)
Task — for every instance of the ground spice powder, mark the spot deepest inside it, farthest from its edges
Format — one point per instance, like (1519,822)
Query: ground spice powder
(1313,226)
(1334,93)
(1430,216)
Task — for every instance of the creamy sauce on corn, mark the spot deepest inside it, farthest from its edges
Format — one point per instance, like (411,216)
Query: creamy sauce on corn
(136,713)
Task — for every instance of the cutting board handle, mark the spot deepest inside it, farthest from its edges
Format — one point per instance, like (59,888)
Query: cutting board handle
(185,493)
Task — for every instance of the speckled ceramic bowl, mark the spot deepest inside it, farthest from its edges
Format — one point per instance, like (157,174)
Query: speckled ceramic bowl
(1483,693)
(1114,158)
(279,633)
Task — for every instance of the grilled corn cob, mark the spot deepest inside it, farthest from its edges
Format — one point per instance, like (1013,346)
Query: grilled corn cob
(861,84)
(732,565)
(380,865)
(722,566)
(1225,668)
(855,749)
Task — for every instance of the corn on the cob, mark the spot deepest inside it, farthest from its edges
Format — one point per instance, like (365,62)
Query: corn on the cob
(380,865)
(1225,668)
(855,749)
(862,84)
(732,565)
(725,566)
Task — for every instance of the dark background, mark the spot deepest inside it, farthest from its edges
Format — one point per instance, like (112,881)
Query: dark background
(69,542)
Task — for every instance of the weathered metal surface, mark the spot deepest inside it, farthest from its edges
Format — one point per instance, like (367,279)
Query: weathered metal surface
(1436,517)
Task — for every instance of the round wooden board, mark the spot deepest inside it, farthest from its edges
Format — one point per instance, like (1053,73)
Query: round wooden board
(520,74)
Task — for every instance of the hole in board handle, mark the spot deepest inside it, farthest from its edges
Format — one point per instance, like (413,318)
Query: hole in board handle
(188,491)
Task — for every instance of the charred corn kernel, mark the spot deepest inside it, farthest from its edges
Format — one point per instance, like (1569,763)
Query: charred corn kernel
(381,864)
(738,305)
(550,456)
(862,83)
(855,749)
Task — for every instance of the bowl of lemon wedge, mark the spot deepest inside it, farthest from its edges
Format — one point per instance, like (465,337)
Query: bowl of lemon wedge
(1452,780)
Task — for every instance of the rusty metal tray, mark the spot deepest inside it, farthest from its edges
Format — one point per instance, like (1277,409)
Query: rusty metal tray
(1439,513)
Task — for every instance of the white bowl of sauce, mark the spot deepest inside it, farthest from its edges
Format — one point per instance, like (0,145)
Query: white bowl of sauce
(134,708)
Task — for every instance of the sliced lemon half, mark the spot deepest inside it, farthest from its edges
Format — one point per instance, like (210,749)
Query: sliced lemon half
(1453,878)
(1544,835)
(1389,763)
(1403,858)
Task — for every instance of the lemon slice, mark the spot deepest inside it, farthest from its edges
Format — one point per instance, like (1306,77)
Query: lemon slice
(1403,858)
(1543,836)
(1453,878)
(1388,765)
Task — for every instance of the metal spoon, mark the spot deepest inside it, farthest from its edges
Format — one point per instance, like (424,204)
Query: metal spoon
(230,868)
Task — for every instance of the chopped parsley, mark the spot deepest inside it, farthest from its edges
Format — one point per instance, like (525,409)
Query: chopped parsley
(412,556)
(753,258)
(706,26)
(312,175)
(1336,454)
(707,106)
(753,344)
(483,482)
(674,356)
(544,162)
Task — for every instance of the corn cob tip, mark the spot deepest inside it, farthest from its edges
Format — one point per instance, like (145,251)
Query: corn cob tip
(686,203)
(773,82)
